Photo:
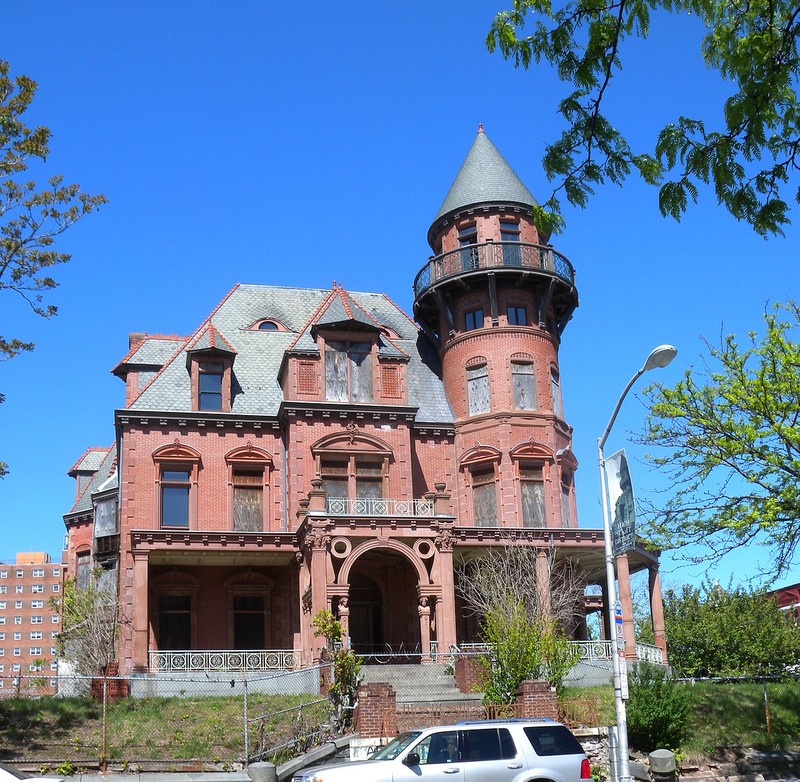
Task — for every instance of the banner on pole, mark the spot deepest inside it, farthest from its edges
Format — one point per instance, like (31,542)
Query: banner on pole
(623,505)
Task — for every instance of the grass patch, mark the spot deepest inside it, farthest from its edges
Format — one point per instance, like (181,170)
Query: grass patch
(56,730)
(723,714)
(139,729)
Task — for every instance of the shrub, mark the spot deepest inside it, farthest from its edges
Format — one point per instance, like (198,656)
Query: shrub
(658,709)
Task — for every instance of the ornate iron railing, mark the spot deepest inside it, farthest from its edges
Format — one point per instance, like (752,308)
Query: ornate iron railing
(649,654)
(377,506)
(493,255)
(224,660)
(594,650)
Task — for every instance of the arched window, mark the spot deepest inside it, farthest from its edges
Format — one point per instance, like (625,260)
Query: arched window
(352,466)
(481,465)
(248,489)
(523,382)
(532,461)
(478,395)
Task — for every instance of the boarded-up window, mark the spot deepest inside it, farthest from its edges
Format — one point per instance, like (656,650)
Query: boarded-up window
(83,569)
(348,371)
(533,513)
(334,477)
(566,507)
(484,498)
(478,389)
(307,377)
(524,386)
(390,381)
(369,480)
(248,500)
(555,389)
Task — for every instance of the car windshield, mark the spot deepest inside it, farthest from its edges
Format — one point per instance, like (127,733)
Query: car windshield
(396,746)
(14,772)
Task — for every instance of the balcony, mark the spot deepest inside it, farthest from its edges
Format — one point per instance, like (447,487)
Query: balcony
(377,506)
(493,255)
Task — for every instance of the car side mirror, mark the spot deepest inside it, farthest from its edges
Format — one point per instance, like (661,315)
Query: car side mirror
(412,759)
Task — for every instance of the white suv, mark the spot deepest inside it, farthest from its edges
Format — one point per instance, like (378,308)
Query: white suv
(477,751)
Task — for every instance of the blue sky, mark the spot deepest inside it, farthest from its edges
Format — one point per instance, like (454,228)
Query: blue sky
(255,142)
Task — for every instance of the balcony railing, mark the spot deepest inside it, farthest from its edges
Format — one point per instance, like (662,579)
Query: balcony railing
(246,660)
(590,650)
(377,506)
(493,255)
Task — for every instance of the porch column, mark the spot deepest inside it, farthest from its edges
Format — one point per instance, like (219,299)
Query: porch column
(657,611)
(446,606)
(543,582)
(624,587)
(140,603)
(318,543)
(425,628)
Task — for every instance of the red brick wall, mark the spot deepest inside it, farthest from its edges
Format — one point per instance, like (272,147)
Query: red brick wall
(536,699)
(376,715)
(466,674)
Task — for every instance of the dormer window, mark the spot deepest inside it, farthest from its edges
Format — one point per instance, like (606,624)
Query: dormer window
(348,371)
(268,325)
(210,376)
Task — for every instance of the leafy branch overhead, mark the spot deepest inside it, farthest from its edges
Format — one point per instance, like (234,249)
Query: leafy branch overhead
(31,216)
(751,160)
(728,438)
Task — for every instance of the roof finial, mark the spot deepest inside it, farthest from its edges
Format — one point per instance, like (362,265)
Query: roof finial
(480,127)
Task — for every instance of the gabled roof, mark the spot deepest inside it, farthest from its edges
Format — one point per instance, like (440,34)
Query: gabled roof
(210,339)
(260,353)
(152,351)
(104,478)
(484,177)
(89,461)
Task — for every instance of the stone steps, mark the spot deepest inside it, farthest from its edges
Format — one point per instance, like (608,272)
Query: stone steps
(417,683)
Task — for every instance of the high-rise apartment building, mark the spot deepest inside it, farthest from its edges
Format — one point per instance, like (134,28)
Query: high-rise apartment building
(30,589)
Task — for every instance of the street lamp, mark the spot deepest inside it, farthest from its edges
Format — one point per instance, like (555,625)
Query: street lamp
(621,771)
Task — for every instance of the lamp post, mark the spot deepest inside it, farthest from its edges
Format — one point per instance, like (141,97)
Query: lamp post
(659,357)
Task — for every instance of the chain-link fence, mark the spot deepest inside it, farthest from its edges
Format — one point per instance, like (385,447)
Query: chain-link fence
(222,718)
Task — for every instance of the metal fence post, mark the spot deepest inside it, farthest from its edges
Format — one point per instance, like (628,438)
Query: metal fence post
(246,740)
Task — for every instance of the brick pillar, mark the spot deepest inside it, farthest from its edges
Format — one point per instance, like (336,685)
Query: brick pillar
(466,673)
(376,715)
(536,699)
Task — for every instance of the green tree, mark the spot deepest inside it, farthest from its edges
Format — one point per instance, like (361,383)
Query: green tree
(524,619)
(346,669)
(31,216)
(658,709)
(90,623)
(522,648)
(711,631)
(729,441)
(750,159)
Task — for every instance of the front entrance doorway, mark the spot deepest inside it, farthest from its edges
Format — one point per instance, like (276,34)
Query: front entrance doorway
(384,615)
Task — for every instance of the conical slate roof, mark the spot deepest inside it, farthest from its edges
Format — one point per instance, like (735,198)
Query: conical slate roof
(484,177)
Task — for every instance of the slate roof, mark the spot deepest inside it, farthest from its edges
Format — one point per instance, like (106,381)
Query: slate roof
(259,354)
(484,177)
(153,351)
(104,478)
(89,461)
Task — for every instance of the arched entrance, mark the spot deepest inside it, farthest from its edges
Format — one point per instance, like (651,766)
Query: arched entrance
(383,603)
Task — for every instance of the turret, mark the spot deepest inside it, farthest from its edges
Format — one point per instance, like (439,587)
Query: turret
(495,298)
